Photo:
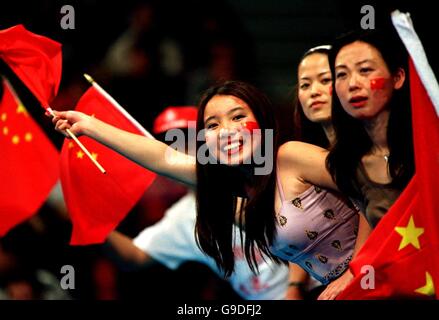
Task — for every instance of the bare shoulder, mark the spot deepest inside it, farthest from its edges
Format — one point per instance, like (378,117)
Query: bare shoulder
(297,152)
(305,161)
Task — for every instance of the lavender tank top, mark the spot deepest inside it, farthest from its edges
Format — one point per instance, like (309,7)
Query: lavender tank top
(317,230)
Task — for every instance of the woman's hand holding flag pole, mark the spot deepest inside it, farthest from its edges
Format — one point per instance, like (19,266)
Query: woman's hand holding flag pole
(83,148)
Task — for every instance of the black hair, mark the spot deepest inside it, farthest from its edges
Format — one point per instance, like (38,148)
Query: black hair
(304,129)
(218,186)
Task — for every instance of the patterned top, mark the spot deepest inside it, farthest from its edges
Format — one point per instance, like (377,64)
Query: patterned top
(317,230)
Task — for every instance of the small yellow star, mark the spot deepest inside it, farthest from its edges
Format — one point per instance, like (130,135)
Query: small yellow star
(70,145)
(5,131)
(15,139)
(94,155)
(21,109)
(4,116)
(428,289)
(28,137)
(79,154)
(409,234)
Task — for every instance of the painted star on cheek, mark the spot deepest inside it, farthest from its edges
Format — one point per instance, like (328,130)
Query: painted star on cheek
(250,125)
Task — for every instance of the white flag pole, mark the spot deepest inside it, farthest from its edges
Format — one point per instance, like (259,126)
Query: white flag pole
(404,26)
(118,106)
(70,133)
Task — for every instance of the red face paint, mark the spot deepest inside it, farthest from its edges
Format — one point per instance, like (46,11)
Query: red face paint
(330,91)
(377,83)
(250,125)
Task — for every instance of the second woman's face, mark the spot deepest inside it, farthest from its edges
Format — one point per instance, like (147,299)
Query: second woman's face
(315,87)
(363,82)
(229,124)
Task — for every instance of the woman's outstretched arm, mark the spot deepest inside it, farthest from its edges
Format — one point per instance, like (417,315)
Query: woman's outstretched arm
(149,153)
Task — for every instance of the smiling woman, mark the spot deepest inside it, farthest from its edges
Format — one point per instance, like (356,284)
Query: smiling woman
(227,134)
(272,200)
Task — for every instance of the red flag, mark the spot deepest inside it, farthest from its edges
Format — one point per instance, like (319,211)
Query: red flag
(35,59)
(28,162)
(401,256)
(97,202)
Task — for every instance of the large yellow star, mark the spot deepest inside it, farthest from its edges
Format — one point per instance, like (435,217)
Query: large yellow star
(409,234)
(428,289)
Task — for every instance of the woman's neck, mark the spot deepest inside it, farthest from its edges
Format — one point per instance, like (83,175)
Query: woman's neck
(328,128)
(376,128)
(247,171)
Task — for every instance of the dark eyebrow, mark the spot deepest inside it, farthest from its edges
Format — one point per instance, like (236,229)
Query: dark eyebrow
(211,117)
(325,72)
(365,60)
(235,109)
(318,75)
(341,66)
(358,63)
(229,112)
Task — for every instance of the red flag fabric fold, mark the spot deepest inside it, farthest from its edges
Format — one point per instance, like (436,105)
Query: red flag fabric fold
(96,202)
(35,59)
(403,250)
(28,162)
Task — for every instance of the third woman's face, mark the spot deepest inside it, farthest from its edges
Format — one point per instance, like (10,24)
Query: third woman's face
(315,87)
(363,82)
(229,124)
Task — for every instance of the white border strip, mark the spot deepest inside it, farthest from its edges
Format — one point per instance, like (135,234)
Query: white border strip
(404,26)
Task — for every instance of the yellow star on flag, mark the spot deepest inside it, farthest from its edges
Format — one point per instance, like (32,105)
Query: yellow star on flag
(410,234)
(70,145)
(15,139)
(5,131)
(428,289)
(28,137)
(4,116)
(79,154)
(21,109)
(94,155)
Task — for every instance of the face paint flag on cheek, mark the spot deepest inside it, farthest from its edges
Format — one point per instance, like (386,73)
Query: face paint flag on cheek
(377,83)
(250,125)
(330,91)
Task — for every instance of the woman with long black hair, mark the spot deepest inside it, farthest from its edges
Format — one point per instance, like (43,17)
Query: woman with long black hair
(372,158)
(284,214)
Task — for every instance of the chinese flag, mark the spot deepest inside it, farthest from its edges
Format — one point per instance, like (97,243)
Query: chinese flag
(98,202)
(401,257)
(28,163)
(35,59)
